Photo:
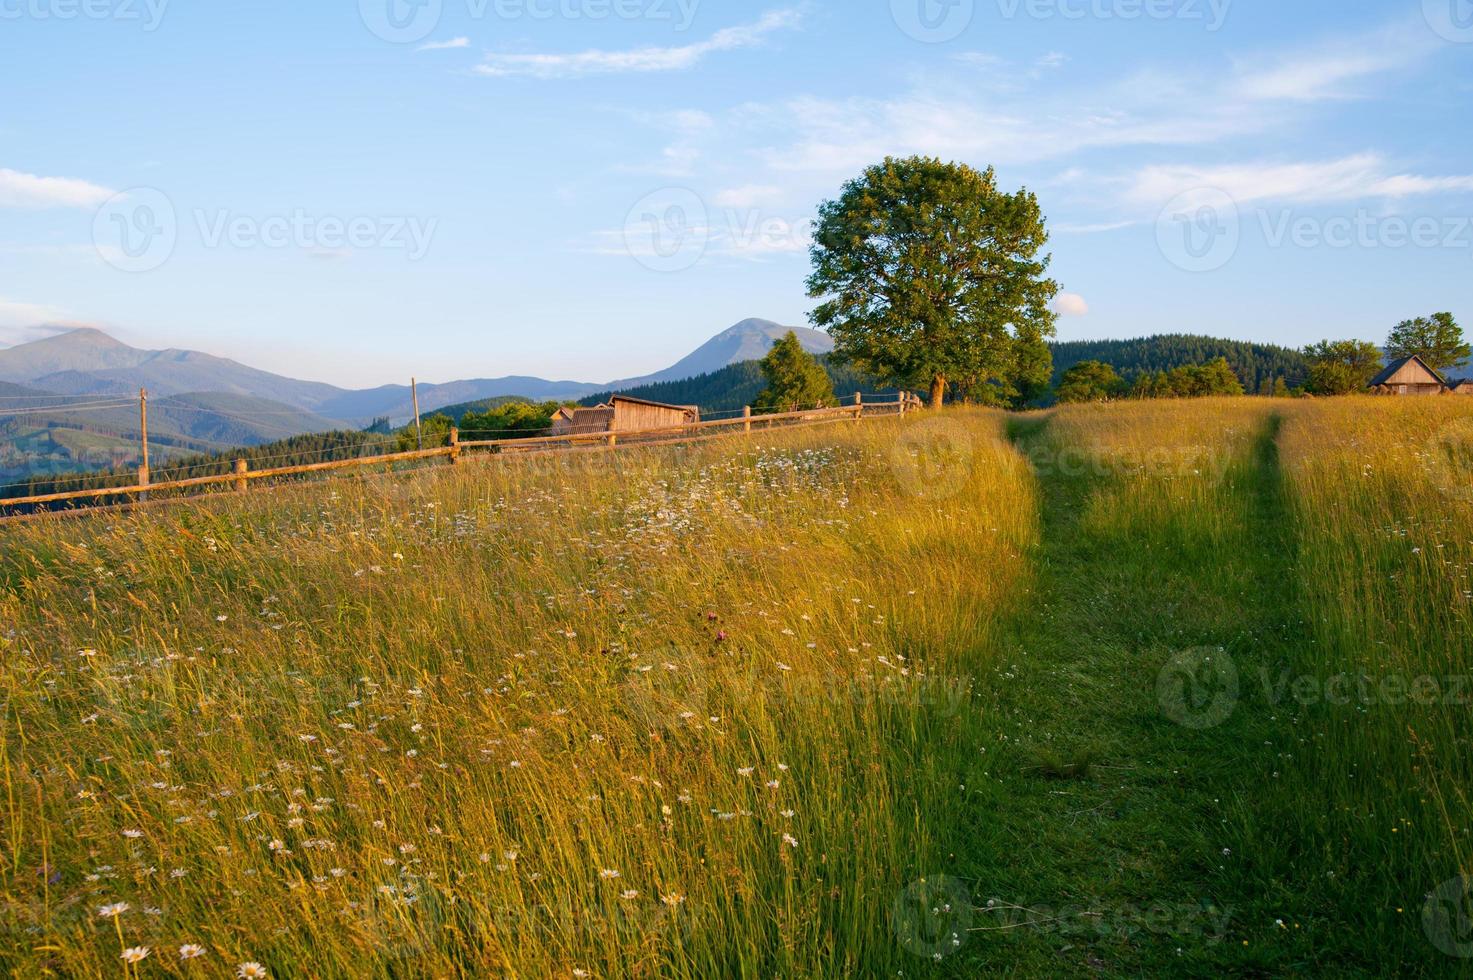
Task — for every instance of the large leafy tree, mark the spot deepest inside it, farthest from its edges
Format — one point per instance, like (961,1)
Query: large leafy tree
(931,276)
(1436,339)
(1341,367)
(1089,381)
(795,380)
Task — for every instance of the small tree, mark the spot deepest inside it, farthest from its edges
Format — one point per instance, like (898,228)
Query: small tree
(795,380)
(929,275)
(1089,381)
(1436,339)
(1341,367)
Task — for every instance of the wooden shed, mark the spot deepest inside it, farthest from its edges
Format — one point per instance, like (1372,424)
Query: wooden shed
(1408,376)
(624,414)
(1464,387)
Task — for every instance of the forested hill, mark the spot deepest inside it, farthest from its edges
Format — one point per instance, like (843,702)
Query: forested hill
(1253,363)
(734,387)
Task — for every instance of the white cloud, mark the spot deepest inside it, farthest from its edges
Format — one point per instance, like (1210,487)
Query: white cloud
(451,45)
(22,323)
(649,59)
(748,196)
(1329,71)
(1359,177)
(22,190)
(1070,304)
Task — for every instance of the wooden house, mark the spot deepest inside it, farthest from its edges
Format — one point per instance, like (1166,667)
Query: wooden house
(1408,376)
(624,414)
(1464,387)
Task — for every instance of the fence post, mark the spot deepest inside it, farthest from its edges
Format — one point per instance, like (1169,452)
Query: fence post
(858,405)
(241,468)
(613,440)
(747,419)
(454,445)
(902,404)
(143,481)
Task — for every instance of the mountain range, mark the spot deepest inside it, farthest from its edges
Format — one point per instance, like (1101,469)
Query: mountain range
(200,403)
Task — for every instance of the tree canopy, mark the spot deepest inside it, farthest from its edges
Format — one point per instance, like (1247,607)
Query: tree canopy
(1341,367)
(795,380)
(930,275)
(1090,381)
(1436,339)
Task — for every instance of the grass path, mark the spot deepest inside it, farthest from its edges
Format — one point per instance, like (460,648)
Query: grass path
(1102,837)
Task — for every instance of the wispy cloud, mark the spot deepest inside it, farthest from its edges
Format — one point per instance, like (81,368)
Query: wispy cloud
(1070,304)
(1331,70)
(648,59)
(22,190)
(451,45)
(1364,176)
(21,323)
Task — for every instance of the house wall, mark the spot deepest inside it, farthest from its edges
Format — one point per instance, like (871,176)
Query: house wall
(1415,389)
(629,417)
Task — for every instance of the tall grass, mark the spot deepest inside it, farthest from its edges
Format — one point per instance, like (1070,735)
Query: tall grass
(686,712)
(1382,495)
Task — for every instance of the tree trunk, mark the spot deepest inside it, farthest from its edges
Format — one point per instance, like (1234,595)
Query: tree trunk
(938,391)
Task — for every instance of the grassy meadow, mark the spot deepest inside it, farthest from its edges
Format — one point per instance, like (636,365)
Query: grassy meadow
(1055,694)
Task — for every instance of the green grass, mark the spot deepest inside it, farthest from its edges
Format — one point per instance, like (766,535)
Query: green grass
(858,700)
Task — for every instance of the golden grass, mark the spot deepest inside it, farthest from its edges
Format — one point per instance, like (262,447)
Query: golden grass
(659,712)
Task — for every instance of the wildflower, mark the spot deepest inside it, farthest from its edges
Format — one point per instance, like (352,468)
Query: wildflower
(608,873)
(189,951)
(136,954)
(251,971)
(745,772)
(773,784)
(132,834)
(790,840)
(113,911)
(629,894)
(673,900)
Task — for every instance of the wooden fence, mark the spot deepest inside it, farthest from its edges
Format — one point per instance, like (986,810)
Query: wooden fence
(242,476)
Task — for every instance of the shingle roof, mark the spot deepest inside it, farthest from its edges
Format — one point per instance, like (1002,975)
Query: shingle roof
(1400,363)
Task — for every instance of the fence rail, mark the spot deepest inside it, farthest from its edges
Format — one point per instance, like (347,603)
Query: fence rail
(243,476)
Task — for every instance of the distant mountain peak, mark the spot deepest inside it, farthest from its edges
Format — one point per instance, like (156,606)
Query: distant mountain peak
(748,340)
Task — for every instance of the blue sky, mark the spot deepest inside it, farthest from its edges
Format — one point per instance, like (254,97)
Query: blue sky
(358,190)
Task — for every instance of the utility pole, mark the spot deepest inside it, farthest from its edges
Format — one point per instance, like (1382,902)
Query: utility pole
(144,471)
(419,435)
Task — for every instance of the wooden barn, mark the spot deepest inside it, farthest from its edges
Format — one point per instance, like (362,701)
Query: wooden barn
(1464,387)
(623,414)
(1408,376)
